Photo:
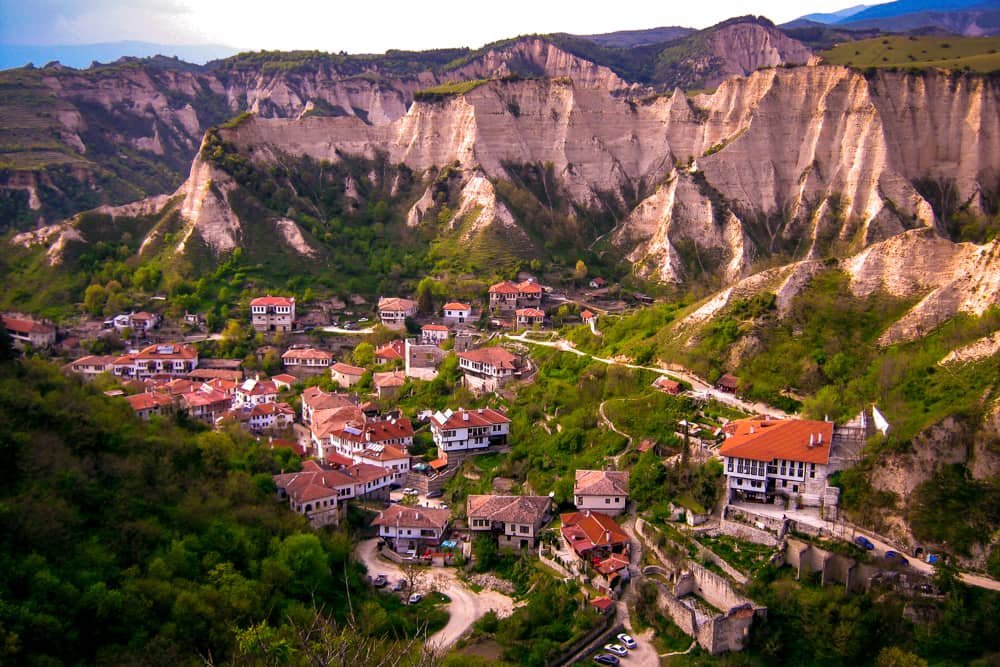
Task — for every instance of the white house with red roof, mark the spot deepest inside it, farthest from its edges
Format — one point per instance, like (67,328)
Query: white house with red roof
(92,366)
(255,392)
(205,404)
(506,296)
(393,311)
(272,313)
(392,458)
(488,368)
(601,490)
(588,317)
(317,492)
(270,417)
(434,334)
(516,521)
(26,331)
(163,359)
(142,321)
(306,358)
(529,317)
(764,458)
(412,530)
(468,430)
(356,436)
(457,313)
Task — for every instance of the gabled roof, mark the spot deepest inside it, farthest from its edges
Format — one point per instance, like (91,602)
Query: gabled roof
(332,420)
(769,439)
(529,287)
(528,312)
(200,373)
(23,326)
(509,509)
(383,453)
(366,472)
(611,564)
(504,287)
(148,401)
(264,409)
(389,379)
(392,350)
(667,385)
(587,529)
(601,483)
(273,301)
(347,369)
(413,517)
(586,315)
(455,305)
(168,351)
(314,482)
(307,353)
(143,315)
(284,378)
(202,398)
(375,431)
(258,387)
(396,304)
(729,382)
(463,418)
(434,327)
(492,356)
(94,360)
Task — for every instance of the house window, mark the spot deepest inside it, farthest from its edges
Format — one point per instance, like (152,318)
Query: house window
(795,488)
(729,465)
(812,470)
(523,530)
(607,501)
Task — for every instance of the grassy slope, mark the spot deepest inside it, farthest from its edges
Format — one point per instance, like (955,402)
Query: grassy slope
(979,54)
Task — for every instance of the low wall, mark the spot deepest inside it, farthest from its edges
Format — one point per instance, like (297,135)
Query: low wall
(747,533)
(833,568)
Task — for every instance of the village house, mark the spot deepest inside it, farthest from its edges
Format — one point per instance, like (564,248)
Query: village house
(387,384)
(393,311)
(255,392)
(412,530)
(142,322)
(91,366)
(597,283)
(764,458)
(515,521)
(506,297)
(315,399)
(356,436)
(157,360)
(346,375)
(149,404)
(306,359)
(370,481)
(593,536)
(205,404)
(487,368)
(270,417)
(601,490)
(272,313)
(528,317)
(392,351)
(422,359)
(391,458)
(588,317)
(317,492)
(468,430)
(208,371)
(728,383)
(283,381)
(457,313)
(668,386)
(433,334)
(24,331)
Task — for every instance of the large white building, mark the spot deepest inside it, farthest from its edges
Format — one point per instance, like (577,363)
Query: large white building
(393,311)
(764,458)
(466,430)
(272,313)
(167,360)
(487,368)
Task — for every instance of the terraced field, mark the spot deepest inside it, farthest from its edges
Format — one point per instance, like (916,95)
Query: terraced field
(978,54)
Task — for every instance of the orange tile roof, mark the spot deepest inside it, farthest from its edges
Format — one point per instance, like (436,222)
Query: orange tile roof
(493,356)
(529,287)
(601,482)
(307,353)
(587,529)
(347,369)
(463,418)
(273,301)
(169,351)
(393,350)
(413,517)
(529,312)
(768,439)
(454,305)
(148,401)
(504,287)
(434,327)
(586,315)
(390,379)
(24,326)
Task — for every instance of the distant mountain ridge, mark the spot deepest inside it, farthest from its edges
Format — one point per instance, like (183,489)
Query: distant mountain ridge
(970,18)
(82,55)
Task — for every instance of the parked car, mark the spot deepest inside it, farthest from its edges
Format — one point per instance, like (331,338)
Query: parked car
(362,319)
(435,494)
(415,598)
(896,557)
(409,491)
(443,506)
(627,641)
(399,585)
(864,542)
(380,581)
(616,649)
(933,558)
(606,659)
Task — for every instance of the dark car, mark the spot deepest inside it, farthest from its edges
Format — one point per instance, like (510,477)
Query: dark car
(606,659)
(864,542)
(435,494)
(380,581)
(897,558)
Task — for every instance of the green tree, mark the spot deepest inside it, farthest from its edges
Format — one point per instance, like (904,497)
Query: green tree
(893,656)
(364,354)
(425,296)
(95,297)
(580,271)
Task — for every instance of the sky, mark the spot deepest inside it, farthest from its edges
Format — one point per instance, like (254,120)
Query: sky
(365,26)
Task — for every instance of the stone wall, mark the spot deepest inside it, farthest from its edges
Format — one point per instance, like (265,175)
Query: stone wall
(748,533)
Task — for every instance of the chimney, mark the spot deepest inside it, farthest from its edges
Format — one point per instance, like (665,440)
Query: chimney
(751,430)
(811,437)
(465,416)
(819,440)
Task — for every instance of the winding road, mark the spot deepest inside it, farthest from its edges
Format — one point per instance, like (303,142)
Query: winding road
(465,608)
(700,388)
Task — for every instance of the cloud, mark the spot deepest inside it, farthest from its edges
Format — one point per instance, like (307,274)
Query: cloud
(90,21)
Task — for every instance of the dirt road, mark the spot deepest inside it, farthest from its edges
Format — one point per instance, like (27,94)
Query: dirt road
(465,608)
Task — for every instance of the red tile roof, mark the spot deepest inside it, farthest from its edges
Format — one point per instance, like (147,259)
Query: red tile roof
(586,315)
(258,388)
(23,326)
(434,327)
(729,382)
(529,287)
(508,509)
(376,431)
(463,418)
(284,378)
(768,439)
(312,483)
(389,379)
(307,353)
(667,385)
(148,401)
(396,304)
(602,604)
(413,517)
(587,529)
(392,350)
(273,301)
(383,453)
(601,483)
(347,369)
(528,312)
(492,356)
(454,305)
(611,564)
(168,351)
(504,287)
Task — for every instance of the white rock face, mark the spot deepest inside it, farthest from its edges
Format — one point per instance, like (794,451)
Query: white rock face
(292,235)
(206,210)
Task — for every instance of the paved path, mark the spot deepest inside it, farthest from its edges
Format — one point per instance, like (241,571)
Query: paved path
(700,388)
(847,532)
(604,418)
(349,332)
(465,608)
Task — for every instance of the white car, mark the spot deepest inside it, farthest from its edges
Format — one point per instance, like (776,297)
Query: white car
(408,491)
(627,641)
(616,649)
(415,598)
